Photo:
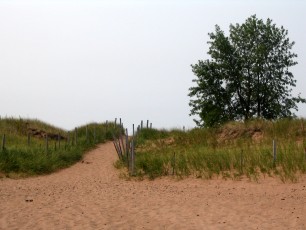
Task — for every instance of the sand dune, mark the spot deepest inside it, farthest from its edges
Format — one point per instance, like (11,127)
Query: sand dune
(90,195)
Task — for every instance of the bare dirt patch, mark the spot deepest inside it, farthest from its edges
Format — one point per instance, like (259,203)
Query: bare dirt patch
(230,133)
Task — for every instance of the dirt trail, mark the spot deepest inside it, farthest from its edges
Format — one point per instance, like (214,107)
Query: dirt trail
(90,195)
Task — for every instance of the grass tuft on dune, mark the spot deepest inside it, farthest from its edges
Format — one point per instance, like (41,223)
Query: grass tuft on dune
(26,153)
(234,150)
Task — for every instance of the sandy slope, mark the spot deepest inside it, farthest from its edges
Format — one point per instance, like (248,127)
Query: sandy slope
(90,195)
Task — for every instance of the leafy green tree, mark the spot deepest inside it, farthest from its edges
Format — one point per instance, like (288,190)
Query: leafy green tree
(247,76)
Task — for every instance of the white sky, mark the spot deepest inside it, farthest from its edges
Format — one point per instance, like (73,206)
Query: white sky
(74,62)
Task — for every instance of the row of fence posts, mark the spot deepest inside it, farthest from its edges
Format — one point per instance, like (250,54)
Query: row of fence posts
(57,143)
(75,141)
(274,153)
(125,145)
(122,149)
(3,142)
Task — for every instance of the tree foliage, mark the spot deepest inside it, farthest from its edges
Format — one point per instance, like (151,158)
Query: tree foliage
(247,76)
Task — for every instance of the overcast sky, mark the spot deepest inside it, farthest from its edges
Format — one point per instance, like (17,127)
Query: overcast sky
(73,62)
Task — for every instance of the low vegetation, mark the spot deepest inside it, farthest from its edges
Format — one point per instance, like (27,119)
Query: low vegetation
(33,147)
(234,150)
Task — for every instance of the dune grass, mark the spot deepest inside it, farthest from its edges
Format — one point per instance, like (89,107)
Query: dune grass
(21,157)
(234,150)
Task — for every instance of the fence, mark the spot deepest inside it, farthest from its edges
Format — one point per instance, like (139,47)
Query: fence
(35,138)
(48,142)
(22,151)
(125,145)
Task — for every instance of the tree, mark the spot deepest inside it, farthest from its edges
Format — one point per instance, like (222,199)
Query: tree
(247,76)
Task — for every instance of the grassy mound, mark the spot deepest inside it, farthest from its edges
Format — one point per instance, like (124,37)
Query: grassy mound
(33,147)
(230,151)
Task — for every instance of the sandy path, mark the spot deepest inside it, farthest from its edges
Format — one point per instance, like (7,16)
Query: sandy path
(90,195)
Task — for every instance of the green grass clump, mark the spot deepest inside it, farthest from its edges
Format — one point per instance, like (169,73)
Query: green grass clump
(23,156)
(34,161)
(151,134)
(230,151)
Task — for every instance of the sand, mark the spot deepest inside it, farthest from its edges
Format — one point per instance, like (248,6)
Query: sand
(91,195)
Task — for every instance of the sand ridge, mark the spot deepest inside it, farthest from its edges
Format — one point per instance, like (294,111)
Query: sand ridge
(90,195)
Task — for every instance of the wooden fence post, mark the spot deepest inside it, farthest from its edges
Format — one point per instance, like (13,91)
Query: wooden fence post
(3,142)
(133,135)
(150,125)
(47,143)
(86,133)
(59,141)
(117,150)
(127,142)
(147,124)
(274,151)
(173,164)
(29,139)
(132,171)
(115,122)
(75,136)
(94,134)
(118,147)
(141,126)
(241,161)
(68,137)
(122,141)
(303,134)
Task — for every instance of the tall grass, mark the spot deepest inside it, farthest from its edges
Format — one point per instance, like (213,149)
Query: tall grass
(22,158)
(231,151)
